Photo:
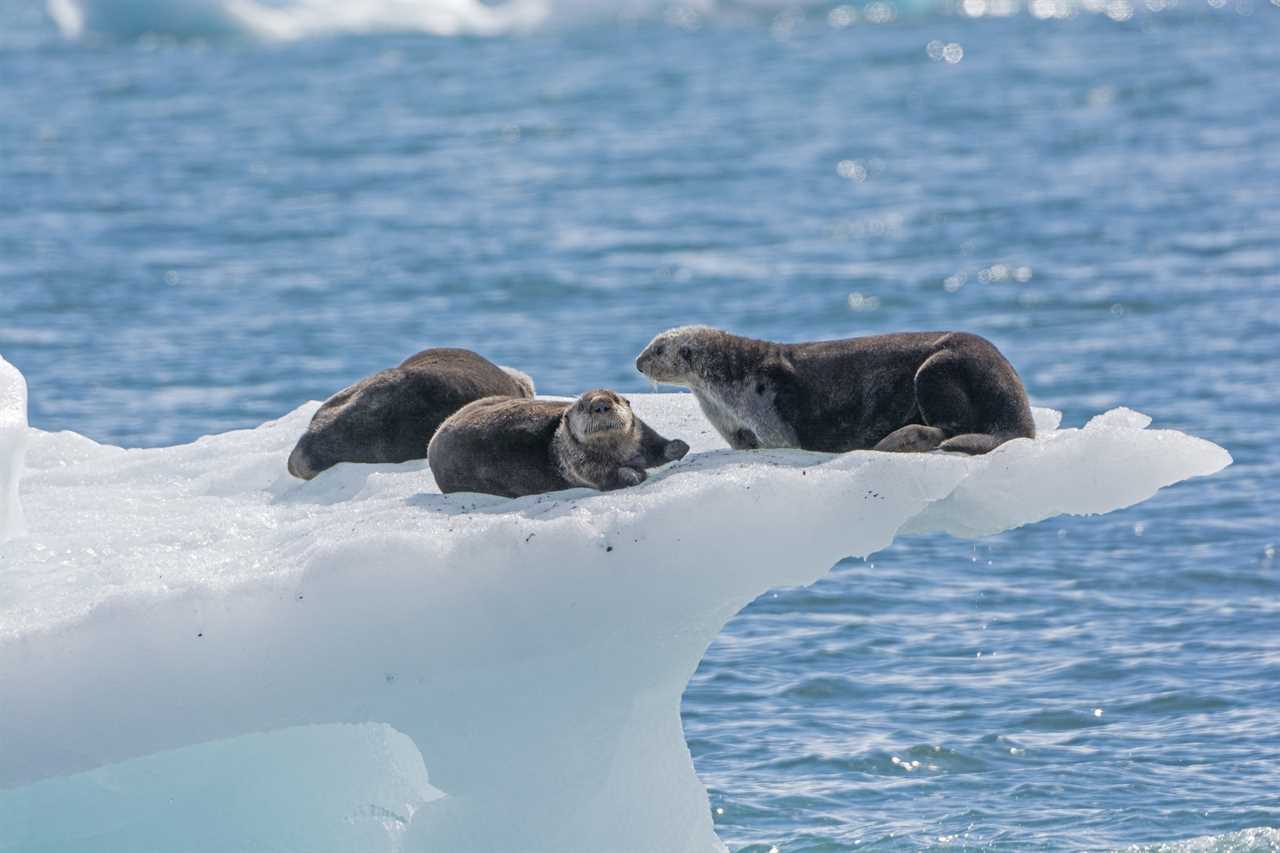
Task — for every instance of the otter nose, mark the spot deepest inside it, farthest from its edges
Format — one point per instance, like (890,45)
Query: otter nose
(600,405)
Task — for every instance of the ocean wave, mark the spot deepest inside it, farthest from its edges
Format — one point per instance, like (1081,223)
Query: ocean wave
(1260,839)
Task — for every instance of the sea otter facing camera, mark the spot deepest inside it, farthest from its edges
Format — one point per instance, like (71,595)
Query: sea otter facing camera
(908,391)
(598,403)
(512,447)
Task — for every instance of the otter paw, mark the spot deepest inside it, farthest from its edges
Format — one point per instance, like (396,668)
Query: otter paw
(624,477)
(913,438)
(973,443)
(675,449)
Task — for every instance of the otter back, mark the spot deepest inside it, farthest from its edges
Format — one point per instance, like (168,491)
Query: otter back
(391,415)
(499,446)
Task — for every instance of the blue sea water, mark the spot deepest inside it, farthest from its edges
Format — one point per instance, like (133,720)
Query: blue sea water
(199,232)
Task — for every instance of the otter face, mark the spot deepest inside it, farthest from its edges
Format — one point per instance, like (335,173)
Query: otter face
(599,413)
(677,355)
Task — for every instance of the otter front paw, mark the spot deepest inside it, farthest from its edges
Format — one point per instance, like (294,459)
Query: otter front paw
(624,477)
(675,449)
(745,439)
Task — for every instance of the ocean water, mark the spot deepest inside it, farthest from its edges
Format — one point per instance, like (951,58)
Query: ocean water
(206,220)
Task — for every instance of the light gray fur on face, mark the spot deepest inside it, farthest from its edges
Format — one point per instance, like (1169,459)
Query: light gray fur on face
(597,413)
(598,443)
(721,370)
(677,356)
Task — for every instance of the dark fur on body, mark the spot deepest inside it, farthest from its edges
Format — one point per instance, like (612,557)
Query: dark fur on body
(502,446)
(908,391)
(391,415)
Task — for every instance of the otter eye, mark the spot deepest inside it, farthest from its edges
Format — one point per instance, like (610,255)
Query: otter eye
(686,353)
(658,349)
(760,388)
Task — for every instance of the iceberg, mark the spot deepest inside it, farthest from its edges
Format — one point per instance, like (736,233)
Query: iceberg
(294,19)
(360,662)
(13,447)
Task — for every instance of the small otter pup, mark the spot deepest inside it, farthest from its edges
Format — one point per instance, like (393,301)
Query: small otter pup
(391,415)
(509,447)
(909,391)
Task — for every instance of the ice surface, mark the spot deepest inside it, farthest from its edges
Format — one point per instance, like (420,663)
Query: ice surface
(315,789)
(531,653)
(13,447)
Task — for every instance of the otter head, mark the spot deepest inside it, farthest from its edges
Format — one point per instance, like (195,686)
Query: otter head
(300,462)
(600,414)
(679,356)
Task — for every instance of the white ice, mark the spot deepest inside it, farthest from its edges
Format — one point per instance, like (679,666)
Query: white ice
(294,19)
(297,19)
(13,447)
(195,645)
